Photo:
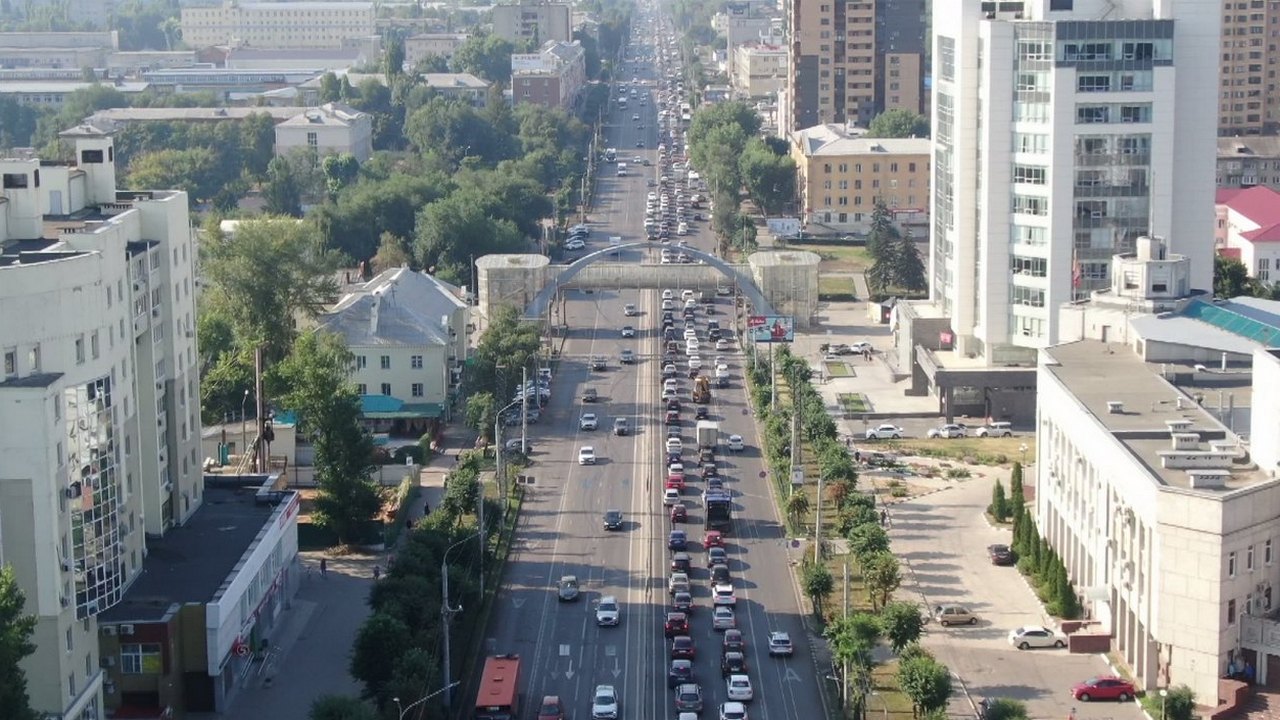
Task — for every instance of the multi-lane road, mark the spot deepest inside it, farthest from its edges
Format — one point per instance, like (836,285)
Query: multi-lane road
(563,652)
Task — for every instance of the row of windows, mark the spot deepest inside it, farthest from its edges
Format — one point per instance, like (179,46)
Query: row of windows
(875,184)
(415,389)
(1137,113)
(1267,556)
(1033,266)
(890,201)
(875,167)
(384,362)
(1117,81)
(1133,50)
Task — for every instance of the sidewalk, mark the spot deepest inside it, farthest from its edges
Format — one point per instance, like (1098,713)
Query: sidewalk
(312,647)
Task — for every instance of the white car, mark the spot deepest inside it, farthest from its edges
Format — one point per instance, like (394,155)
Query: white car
(630,310)
(628,331)
(996,429)
(886,431)
(739,687)
(735,443)
(1035,636)
(675,468)
(733,711)
(574,244)
(687,294)
(604,705)
(690,334)
(722,619)
(950,430)
(722,594)
(860,347)
(780,644)
(722,345)
(587,455)
(668,294)
(588,421)
(670,496)
(668,304)
(607,612)
(695,363)
(674,446)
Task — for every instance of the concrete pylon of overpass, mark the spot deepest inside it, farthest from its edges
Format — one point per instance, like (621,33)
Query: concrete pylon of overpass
(774,282)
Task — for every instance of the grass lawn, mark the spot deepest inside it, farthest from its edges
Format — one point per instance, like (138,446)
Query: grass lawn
(836,368)
(836,285)
(888,702)
(983,451)
(853,402)
(843,258)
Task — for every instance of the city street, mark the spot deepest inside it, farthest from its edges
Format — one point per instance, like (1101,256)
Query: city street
(942,539)
(563,651)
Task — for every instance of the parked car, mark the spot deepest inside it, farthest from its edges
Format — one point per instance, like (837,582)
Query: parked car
(887,431)
(1105,687)
(1035,636)
(995,429)
(1000,554)
(952,614)
(950,430)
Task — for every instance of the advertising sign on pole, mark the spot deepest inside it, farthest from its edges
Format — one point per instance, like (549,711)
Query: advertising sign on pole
(771,328)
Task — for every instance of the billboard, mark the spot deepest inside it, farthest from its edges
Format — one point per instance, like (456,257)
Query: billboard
(771,328)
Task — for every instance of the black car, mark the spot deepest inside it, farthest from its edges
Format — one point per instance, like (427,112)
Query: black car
(680,672)
(703,413)
(733,663)
(1000,554)
(613,520)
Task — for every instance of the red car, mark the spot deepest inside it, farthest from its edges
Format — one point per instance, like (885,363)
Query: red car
(679,513)
(677,624)
(673,417)
(714,538)
(551,708)
(682,647)
(675,480)
(1105,687)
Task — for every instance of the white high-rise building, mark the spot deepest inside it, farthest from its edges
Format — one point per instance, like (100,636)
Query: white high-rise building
(1063,131)
(99,399)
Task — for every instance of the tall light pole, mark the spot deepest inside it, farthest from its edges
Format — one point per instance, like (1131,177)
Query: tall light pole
(244,433)
(405,709)
(446,612)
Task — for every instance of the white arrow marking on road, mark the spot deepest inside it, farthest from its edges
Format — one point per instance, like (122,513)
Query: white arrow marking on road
(617,668)
(518,602)
(791,676)
(568,674)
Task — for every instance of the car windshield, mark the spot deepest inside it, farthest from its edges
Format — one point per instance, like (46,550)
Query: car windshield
(608,606)
(604,698)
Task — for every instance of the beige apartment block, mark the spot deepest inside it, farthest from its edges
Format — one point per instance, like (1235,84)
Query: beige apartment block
(1249,160)
(331,129)
(842,173)
(1248,103)
(759,70)
(537,22)
(424,45)
(303,24)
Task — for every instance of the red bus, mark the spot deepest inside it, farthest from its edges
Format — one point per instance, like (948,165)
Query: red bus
(499,696)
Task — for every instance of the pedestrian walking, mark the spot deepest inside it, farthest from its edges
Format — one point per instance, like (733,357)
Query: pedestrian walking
(857,456)
(377,572)
(884,517)
(324,568)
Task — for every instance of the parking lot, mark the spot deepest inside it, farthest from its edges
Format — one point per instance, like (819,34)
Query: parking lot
(942,539)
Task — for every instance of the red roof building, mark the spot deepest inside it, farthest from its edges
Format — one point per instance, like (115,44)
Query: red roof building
(1248,228)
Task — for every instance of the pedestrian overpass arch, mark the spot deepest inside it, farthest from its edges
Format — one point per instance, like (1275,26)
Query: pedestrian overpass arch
(773,282)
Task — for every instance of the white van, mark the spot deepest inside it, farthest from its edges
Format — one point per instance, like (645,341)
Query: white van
(622,169)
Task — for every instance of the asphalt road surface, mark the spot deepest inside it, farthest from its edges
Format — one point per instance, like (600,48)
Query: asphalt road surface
(563,651)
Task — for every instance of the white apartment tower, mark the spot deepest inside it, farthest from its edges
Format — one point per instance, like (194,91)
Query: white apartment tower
(99,399)
(1063,131)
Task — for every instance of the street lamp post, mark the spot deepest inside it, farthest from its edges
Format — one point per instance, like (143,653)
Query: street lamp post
(1023,449)
(1164,696)
(405,709)
(446,612)
(244,433)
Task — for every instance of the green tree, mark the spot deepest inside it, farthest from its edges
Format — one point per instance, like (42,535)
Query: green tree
(853,638)
(770,179)
(482,412)
(330,88)
(415,670)
(485,55)
(798,506)
(393,58)
(1068,603)
(393,252)
(16,629)
(380,642)
(1179,703)
(881,233)
(462,494)
(339,171)
(354,223)
(453,229)
(281,192)
(431,64)
(507,342)
(999,507)
(1230,277)
(927,682)
(340,707)
(256,147)
(1017,501)
(867,540)
(818,583)
(316,375)
(1007,709)
(143,24)
(18,123)
(898,123)
(263,276)
(902,624)
(908,265)
(194,170)
(883,575)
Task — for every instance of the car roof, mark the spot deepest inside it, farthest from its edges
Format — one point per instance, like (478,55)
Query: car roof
(608,599)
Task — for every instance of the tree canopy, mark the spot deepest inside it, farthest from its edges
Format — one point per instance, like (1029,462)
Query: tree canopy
(485,55)
(898,123)
(16,629)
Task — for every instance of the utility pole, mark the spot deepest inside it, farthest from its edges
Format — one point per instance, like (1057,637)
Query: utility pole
(773,379)
(524,405)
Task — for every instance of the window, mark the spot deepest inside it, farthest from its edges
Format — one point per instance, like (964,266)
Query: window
(93,345)
(946,58)
(361,362)
(1248,559)
(415,362)
(312,140)
(70,644)
(1135,113)
(1033,266)
(1089,114)
(385,362)
(416,390)
(1231,610)
(140,658)
(1231,564)
(1030,205)
(386,388)
(80,351)
(362,389)
(1029,174)
(1030,297)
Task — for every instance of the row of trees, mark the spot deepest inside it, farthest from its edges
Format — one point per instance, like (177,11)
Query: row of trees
(853,634)
(16,630)
(141,24)
(1036,558)
(896,262)
(1231,279)
(506,346)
